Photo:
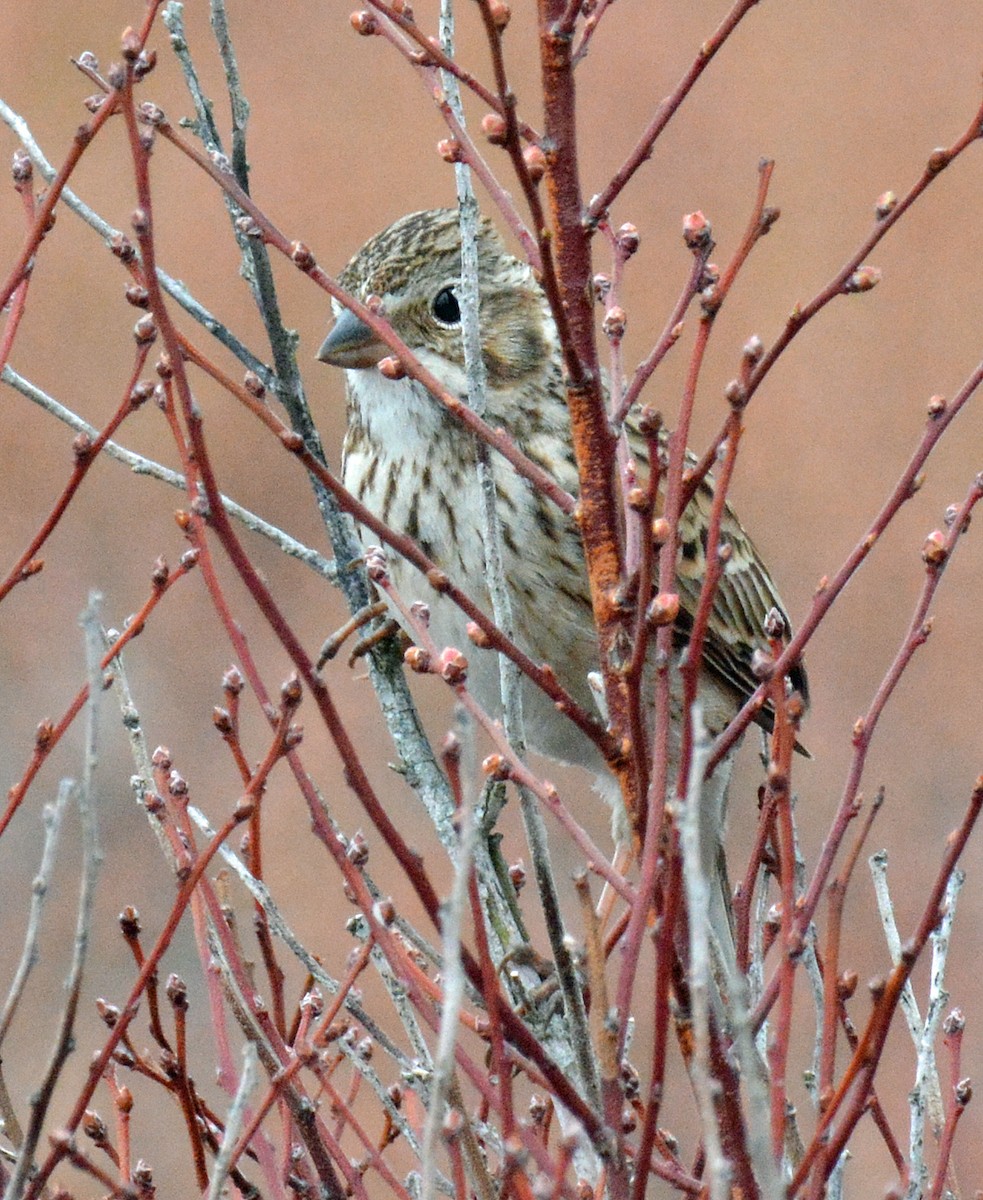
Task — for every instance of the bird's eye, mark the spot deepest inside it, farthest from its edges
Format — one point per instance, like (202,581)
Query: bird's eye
(445,307)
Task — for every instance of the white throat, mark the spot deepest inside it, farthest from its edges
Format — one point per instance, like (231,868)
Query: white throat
(400,413)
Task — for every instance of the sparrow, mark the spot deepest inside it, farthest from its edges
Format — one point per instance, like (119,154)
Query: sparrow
(413,464)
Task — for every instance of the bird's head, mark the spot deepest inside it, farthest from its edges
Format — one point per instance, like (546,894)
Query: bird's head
(414,269)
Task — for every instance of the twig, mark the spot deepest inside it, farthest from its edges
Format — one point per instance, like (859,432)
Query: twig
(91,862)
(140,465)
(502,606)
(921,1033)
(858,1077)
(85,454)
(687,817)
(49,735)
(452,921)
(936,553)
(442,58)
(433,660)
(851,278)
(234,1122)
(114,238)
(600,205)
(52,817)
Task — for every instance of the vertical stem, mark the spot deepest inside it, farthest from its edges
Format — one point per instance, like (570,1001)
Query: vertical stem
(593,439)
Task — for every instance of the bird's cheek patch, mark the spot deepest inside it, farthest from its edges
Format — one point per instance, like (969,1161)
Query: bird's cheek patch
(513,349)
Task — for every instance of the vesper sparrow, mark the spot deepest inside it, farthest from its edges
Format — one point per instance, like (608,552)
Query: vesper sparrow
(409,461)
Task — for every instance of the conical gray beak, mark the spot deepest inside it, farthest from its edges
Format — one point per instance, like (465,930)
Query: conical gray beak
(352,344)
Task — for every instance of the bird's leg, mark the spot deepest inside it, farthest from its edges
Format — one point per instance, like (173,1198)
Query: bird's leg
(357,621)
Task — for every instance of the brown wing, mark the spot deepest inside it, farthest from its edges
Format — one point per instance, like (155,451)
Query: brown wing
(745,594)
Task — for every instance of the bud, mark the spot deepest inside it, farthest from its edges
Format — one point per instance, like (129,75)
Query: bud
(478,635)
(93,1126)
(938,160)
(697,233)
(663,609)
(291,692)
(614,324)
(887,202)
(151,114)
(496,767)
(954,1023)
(862,280)
(21,168)
(451,749)
(769,215)
(500,13)
(934,552)
(145,331)
(417,659)
(377,565)
(130,44)
(710,276)
(145,63)
(535,161)
(254,385)
(452,666)
(302,256)
(391,368)
(364,23)
(358,849)
(775,626)
(177,992)
(222,720)
(494,127)
(141,392)
(628,240)
(649,421)
(660,531)
(449,150)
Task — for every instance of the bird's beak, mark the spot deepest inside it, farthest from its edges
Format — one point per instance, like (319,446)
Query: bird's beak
(352,344)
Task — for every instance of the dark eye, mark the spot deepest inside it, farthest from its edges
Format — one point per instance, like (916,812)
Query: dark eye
(445,307)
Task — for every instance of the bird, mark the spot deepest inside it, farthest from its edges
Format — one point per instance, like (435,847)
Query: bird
(413,464)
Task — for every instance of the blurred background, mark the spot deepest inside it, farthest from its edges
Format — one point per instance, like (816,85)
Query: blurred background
(849,100)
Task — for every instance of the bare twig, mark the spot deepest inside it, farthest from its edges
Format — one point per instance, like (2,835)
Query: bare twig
(91,861)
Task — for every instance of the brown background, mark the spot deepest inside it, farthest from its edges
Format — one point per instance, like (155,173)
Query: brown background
(848,99)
